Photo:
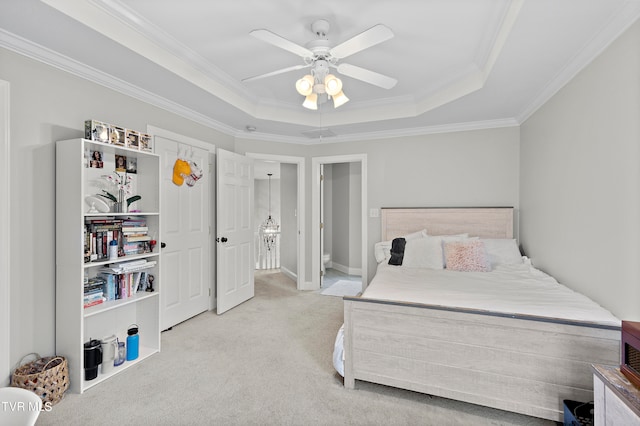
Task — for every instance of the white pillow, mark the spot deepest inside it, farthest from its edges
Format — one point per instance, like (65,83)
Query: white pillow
(423,253)
(502,251)
(382,249)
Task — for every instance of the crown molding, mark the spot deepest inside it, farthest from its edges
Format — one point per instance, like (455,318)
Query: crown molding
(49,57)
(386,134)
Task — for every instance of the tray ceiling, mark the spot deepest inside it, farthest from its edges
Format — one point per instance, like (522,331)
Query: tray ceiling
(459,64)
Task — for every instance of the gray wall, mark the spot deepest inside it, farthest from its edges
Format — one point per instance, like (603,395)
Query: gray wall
(48,105)
(327,209)
(288,214)
(580,185)
(355,217)
(340,215)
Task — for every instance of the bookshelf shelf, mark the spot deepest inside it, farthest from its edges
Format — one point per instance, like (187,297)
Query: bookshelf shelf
(115,304)
(144,354)
(82,234)
(105,215)
(122,259)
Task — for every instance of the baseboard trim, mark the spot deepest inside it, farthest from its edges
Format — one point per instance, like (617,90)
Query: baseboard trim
(289,273)
(345,269)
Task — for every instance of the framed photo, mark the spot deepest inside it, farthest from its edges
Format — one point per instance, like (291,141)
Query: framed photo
(96,131)
(95,159)
(117,136)
(132,165)
(133,139)
(145,142)
(121,163)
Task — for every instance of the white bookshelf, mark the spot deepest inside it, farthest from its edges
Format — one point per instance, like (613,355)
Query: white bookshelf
(75,324)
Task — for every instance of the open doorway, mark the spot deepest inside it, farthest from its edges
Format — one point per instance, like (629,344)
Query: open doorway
(281,197)
(339,220)
(341,224)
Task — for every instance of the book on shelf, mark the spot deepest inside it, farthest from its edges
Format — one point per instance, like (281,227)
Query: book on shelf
(92,297)
(136,238)
(134,229)
(93,303)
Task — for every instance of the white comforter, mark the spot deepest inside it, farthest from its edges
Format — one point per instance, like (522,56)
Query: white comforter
(509,289)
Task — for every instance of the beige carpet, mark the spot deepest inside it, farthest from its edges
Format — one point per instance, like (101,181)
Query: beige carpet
(266,362)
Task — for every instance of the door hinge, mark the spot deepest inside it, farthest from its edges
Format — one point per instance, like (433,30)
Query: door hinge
(321,225)
(209,292)
(322,273)
(321,178)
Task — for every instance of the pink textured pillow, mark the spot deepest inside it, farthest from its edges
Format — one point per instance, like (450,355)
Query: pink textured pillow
(467,256)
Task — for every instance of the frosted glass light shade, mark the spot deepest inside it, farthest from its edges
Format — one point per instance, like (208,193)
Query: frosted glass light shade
(332,84)
(311,101)
(304,86)
(339,99)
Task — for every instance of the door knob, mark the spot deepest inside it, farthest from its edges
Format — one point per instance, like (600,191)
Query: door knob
(162,245)
(224,239)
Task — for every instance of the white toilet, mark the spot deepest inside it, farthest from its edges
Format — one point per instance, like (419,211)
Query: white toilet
(326,258)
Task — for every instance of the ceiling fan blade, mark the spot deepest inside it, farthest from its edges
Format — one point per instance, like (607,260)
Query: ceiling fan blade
(367,76)
(281,42)
(374,35)
(276,72)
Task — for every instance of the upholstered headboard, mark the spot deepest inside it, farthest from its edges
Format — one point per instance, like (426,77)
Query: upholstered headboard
(485,222)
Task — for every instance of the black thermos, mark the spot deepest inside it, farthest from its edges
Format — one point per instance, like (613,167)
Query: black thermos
(92,358)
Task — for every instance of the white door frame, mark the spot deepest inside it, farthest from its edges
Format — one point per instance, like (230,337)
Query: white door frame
(315,213)
(5,229)
(299,161)
(211,148)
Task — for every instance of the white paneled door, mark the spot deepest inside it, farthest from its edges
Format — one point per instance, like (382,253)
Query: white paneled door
(184,223)
(234,239)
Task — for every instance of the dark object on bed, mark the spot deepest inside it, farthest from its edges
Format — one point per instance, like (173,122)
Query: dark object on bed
(578,413)
(630,350)
(397,251)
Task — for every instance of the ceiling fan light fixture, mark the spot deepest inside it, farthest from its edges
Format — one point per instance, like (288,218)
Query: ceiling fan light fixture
(333,85)
(304,86)
(311,101)
(339,99)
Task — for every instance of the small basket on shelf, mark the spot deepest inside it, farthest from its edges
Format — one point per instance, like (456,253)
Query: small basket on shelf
(47,377)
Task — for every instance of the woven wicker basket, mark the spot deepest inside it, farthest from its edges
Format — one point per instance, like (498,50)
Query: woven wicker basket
(47,377)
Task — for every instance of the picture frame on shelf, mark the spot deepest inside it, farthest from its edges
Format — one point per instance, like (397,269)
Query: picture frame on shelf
(132,139)
(118,136)
(97,131)
(146,142)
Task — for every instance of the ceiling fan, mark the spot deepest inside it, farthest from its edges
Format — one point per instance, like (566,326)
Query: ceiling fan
(318,55)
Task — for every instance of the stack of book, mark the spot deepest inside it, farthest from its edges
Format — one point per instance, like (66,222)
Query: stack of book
(124,279)
(94,292)
(98,233)
(135,238)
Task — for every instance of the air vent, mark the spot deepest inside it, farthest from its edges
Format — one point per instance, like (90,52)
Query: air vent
(319,133)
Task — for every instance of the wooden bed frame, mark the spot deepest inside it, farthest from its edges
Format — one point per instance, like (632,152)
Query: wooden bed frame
(524,364)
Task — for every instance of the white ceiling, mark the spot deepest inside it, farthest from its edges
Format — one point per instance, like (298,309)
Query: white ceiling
(460,64)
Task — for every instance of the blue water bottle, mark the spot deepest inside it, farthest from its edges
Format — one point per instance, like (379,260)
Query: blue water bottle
(133,340)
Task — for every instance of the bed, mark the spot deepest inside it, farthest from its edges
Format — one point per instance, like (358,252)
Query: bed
(494,349)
